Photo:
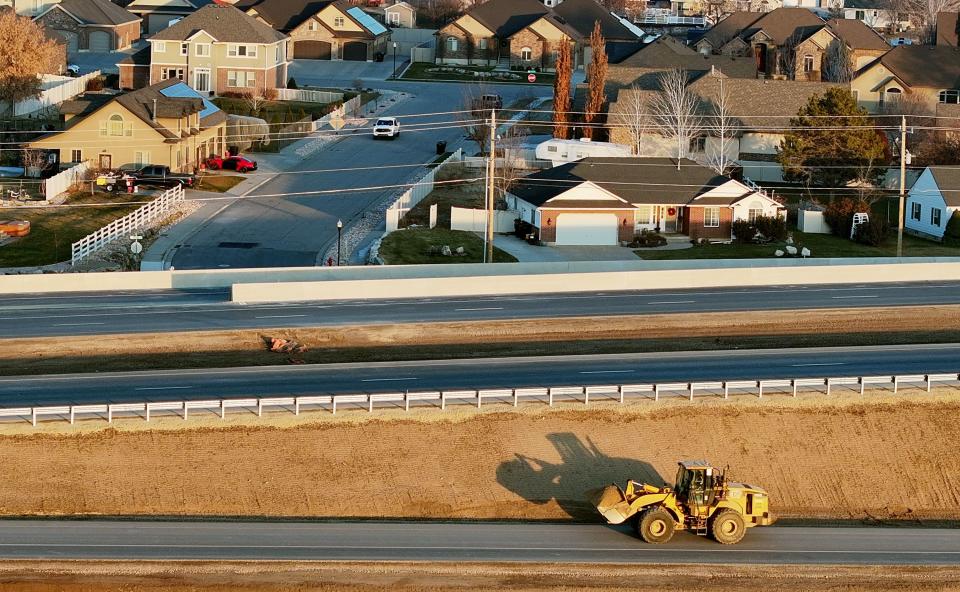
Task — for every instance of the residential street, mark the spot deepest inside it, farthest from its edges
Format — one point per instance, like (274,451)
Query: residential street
(268,228)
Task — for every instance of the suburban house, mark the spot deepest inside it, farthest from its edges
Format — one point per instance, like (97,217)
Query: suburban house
(135,70)
(948,28)
(157,15)
(323,30)
(217,49)
(523,34)
(876,14)
(29,8)
(757,107)
(91,25)
(603,201)
(791,42)
(401,14)
(932,200)
(165,124)
(927,75)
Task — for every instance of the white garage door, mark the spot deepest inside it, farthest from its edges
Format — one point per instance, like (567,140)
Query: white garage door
(587,229)
(99,41)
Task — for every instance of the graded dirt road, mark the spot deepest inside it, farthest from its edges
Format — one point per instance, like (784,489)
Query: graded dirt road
(879,458)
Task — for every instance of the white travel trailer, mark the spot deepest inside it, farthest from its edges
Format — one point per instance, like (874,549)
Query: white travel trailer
(561,151)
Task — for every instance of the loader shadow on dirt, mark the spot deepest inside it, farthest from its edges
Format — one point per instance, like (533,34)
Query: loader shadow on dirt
(582,467)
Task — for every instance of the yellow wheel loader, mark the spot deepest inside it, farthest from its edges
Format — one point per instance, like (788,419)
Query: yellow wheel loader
(702,501)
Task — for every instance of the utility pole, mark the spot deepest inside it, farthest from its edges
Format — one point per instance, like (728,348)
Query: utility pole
(903,183)
(491,176)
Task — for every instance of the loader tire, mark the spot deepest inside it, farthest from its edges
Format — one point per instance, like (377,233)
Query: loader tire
(656,526)
(727,527)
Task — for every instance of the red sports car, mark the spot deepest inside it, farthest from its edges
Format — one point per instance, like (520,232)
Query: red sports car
(237,163)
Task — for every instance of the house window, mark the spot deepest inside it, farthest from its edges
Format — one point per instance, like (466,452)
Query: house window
(76,156)
(915,211)
(184,49)
(241,78)
(242,51)
(645,214)
(338,22)
(452,43)
(526,54)
(393,18)
(141,158)
(861,15)
(711,217)
(312,25)
(755,211)
(891,95)
(935,216)
(483,43)
(808,63)
(203,50)
(170,73)
(698,144)
(160,47)
(279,53)
(951,97)
(115,125)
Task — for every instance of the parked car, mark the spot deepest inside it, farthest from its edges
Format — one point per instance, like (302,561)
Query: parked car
(234,163)
(486,103)
(162,176)
(72,70)
(386,127)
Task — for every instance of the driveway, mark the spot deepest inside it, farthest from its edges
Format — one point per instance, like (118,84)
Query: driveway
(106,62)
(527,253)
(339,74)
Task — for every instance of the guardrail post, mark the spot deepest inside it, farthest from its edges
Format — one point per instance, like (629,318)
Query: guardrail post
(479,399)
(828,386)
(33,416)
(516,399)
(550,397)
(147,407)
(620,392)
(71,414)
(259,408)
(759,389)
(656,392)
(726,390)
(406,400)
(794,383)
(109,413)
(296,405)
(691,390)
(863,385)
(443,400)
(370,403)
(928,382)
(586,395)
(223,410)
(333,399)
(185,410)
(896,384)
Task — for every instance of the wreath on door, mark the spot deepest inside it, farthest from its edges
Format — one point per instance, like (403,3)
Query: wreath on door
(671,211)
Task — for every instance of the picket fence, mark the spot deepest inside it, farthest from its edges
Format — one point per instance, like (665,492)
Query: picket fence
(308,96)
(420,189)
(476,397)
(69,88)
(63,181)
(136,221)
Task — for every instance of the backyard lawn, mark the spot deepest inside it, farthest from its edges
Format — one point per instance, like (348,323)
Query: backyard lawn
(820,245)
(274,110)
(219,183)
(411,246)
(467,195)
(52,230)
(422,71)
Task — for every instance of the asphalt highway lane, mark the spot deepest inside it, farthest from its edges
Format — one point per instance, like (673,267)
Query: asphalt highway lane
(448,542)
(41,315)
(280,381)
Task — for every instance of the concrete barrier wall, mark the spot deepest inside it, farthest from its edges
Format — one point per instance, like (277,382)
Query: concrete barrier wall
(579,282)
(85,282)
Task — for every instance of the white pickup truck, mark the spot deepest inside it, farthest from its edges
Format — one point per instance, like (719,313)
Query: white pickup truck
(386,127)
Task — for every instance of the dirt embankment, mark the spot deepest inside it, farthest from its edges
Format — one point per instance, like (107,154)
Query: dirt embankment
(369,343)
(820,458)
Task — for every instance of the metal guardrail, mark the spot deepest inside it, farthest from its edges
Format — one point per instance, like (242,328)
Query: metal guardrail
(476,397)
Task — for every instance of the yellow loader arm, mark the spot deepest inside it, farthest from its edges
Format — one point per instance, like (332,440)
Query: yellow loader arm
(617,505)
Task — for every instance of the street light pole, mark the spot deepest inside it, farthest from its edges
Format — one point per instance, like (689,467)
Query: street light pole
(339,241)
(491,187)
(394,60)
(903,183)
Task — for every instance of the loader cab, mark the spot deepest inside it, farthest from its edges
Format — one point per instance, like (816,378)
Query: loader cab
(697,485)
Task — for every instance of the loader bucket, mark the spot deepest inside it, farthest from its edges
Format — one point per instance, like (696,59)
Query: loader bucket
(612,503)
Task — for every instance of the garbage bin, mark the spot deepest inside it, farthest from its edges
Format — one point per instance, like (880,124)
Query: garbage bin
(441,147)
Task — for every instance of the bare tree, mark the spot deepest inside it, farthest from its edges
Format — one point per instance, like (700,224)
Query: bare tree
(676,111)
(440,12)
(633,116)
(475,120)
(508,169)
(596,95)
(255,98)
(787,55)
(838,63)
(922,14)
(561,91)
(722,128)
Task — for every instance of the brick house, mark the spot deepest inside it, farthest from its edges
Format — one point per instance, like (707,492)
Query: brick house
(606,201)
(91,25)
(521,34)
(323,30)
(215,50)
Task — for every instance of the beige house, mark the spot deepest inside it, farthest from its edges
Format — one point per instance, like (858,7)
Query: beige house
(166,124)
(400,14)
(91,25)
(219,49)
(157,15)
(927,76)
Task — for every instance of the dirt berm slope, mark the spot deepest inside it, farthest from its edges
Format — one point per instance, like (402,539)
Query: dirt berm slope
(892,458)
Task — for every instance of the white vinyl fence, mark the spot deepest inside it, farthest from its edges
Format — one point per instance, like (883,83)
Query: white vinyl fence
(308,96)
(411,197)
(585,394)
(476,220)
(134,222)
(69,88)
(63,181)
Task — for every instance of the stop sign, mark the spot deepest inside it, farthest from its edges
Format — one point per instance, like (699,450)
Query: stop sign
(531,77)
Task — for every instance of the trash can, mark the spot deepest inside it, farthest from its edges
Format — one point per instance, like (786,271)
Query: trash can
(441,147)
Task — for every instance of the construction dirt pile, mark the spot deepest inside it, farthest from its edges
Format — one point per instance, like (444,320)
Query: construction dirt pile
(842,457)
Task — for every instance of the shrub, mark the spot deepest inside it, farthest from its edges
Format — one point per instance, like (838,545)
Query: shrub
(231,94)
(270,94)
(773,228)
(292,84)
(872,233)
(648,238)
(743,231)
(951,236)
(95,84)
(839,214)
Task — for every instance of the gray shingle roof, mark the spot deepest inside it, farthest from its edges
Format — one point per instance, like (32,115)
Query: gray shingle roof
(781,23)
(948,180)
(284,15)
(857,35)
(721,33)
(225,23)
(923,65)
(98,12)
(582,14)
(506,17)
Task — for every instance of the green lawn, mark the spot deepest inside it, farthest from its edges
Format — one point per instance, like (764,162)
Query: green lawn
(820,245)
(421,71)
(219,183)
(413,246)
(52,230)
(269,110)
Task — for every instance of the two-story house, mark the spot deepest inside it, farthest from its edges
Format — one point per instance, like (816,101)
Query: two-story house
(165,124)
(217,49)
(927,75)
(876,14)
(157,15)
(324,29)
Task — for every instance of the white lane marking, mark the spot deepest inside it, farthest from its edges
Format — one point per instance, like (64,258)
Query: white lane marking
(848,297)
(386,379)
(161,388)
(606,371)
(819,364)
(77,324)
(672,302)
(280,316)
(482,308)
